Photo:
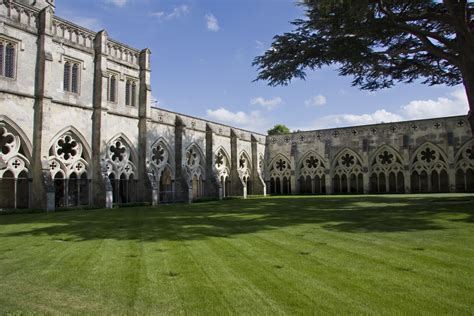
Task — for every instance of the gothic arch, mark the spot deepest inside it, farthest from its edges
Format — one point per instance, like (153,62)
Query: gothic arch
(464,164)
(121,157)
(222,166)
(279,172)
(194,165)
(15,157)
(429,169)
(71,129)
(69,159)
(25,142)
(245,170)
(386,171)
(347,171)
(312,169)
(161,157)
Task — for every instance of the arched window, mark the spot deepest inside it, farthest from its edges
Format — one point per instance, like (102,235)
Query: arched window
(312,169)
(465,168)
(69,166)
(67,75)
(71,77)
(386,167)
(75,78)
(280,169)
(128,86)
(120,161)
(347,172)
(134,94)
(7,59)
(10,61)
(429,170)
(14,182)
(112,88)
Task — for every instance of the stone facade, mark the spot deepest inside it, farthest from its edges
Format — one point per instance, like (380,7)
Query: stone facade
(77,128)
(434,155)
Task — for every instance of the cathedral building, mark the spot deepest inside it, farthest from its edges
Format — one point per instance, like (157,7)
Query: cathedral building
(77,129)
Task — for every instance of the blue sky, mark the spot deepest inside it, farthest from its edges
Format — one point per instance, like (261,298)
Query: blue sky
(202,52)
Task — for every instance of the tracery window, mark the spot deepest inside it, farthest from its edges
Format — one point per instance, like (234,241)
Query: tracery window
(14,169)
(465,168)
(429,170)
(386,172)
(7,58)
(131,92)
(71,76)
(312,178)
(69,167)
(161,164)
(112,88)
(280,175)
(245,171)
(121,170)
(222,167)
(347,173)
(194,166)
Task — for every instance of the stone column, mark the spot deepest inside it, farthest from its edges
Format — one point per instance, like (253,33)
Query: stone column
(182,182)
(213,186)
(328,182)
(237,187)
(292,180)
(102,189)
(147,187)
(42,187)
(258,184)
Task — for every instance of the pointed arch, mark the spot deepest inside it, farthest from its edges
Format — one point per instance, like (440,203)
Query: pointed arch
(279,169)
(25,141)
(161,156)
(78,135)
(464,164)
(347,170)
(423,147)
(429,169)
(386,171)
(133,151)
(344,151)
(383,148)
(311,170)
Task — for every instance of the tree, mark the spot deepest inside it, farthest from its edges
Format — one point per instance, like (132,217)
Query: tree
(279,129)
(379,43)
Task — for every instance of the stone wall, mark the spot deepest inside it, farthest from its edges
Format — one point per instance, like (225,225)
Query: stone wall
(415,156)
(62,148)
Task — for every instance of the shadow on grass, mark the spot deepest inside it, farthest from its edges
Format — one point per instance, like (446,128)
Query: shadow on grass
(353,214)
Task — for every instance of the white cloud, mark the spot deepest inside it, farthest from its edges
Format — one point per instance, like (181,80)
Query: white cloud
(455,104)
(118,3)
(318,100)
(177,12)
(268,104)
(251,121)
(341,120)
(448,106)
(212,23)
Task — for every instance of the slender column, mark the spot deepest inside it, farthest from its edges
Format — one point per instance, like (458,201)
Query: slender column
(102,189)
(42,186)
(147,185)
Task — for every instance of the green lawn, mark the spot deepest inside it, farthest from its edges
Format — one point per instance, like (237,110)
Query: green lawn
(336,254)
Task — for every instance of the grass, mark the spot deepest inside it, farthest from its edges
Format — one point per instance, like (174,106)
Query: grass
(281,255)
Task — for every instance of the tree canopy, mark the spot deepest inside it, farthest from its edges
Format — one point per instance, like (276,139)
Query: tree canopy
(379,43)
(279,129)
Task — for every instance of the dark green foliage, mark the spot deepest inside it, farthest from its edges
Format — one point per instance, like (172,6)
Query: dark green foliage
(378,42)
(279,129)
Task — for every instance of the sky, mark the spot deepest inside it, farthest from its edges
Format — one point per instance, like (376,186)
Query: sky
(202,53)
